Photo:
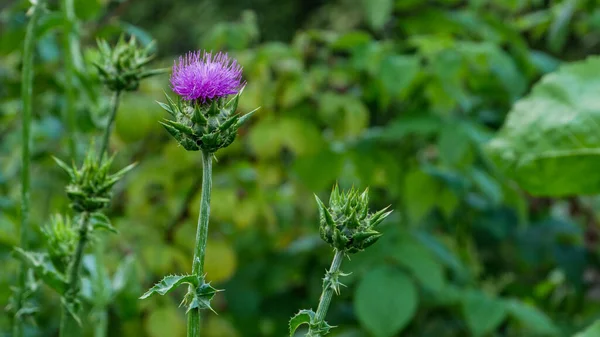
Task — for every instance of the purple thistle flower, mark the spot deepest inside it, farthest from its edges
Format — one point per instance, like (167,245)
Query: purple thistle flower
(202,76)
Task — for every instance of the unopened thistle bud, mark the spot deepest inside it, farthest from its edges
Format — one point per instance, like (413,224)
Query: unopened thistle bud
(203,118)
(90,186)
(121,68)
(346,224)
(61,239)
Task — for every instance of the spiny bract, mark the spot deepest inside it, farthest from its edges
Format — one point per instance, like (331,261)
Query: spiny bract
(122,67)
(347,224)
(90,186)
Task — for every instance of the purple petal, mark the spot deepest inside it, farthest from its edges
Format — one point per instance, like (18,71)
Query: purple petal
(202,76)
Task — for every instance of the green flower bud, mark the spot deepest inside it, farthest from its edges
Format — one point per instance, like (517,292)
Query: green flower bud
(206,126)
(90,186)
(61,238)
(122,67)
(346,224)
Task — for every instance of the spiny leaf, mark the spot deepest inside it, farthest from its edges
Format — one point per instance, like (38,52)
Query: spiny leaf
(41,265)
(124,170)
(302,317)
(64,166)
(229,122)
(324,212)
(100,221)
(166,107)
(202,297)
(245,117)
(71,309)
(168,283)
(180,127)
(171,130)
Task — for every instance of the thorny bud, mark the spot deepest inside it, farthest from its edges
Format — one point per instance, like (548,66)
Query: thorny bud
(90,186)
(346,224)
(203,119)
(122,67)
(61,238)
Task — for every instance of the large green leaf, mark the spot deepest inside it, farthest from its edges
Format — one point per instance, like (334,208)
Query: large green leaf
(422,264)
(385,301)
(377,12)
(592,331)
(532,319)
(550,142)
(482,312)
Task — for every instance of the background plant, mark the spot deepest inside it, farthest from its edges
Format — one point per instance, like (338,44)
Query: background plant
(397,95)
(348,227)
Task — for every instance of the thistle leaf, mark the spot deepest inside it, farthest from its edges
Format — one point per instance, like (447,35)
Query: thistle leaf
(71,309)
(179,127)
(166,107)
(302,317)
(124,170)
(324,212)
(100,221)
(64,166)
(202,297)
(172,131)
(43,268)
(168,283)
(245,117)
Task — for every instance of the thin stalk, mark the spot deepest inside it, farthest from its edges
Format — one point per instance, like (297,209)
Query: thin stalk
(69,48)
(101,316)
(101,322)
(193,324)
(111,119)
(327,293)
(27,96)
(68,325)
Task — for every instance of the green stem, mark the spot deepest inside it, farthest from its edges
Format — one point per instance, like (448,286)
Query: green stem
(111,119)
(100,295)
(101,322)
(193,325)
(27,96)
(70,53)
(69,327)
(326,295)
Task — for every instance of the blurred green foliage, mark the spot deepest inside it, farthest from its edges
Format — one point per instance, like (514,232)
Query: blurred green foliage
(398,95)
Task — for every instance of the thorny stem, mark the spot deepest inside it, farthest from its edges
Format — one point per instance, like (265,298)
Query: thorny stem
(111,119)
(26,94)
(70,49)
(68,325)
(100,324)
(326,295)
(100,321)
(193,324)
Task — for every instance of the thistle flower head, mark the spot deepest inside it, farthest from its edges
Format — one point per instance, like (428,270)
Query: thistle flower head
(61,238)
(123,66)
(346,224)
(90,186)
(202,76)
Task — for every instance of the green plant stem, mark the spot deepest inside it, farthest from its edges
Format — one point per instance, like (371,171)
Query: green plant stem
(101,325)
(101,322)
(27,96)
(193,324)
(100,295)
(69,48)
(68,325)
(327,294)
(111,119)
